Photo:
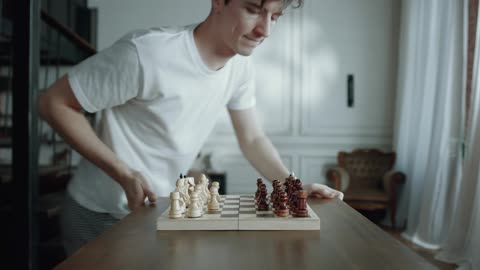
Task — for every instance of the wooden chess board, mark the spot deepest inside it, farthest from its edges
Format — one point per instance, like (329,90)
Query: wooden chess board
(238,212)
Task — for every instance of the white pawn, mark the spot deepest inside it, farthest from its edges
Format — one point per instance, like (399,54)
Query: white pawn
(196,207)
(177,206)
(217,185)
(213,203)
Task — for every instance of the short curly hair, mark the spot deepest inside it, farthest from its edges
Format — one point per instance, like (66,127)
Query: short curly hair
(286,3)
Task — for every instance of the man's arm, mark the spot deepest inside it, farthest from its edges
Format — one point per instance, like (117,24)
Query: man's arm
(261,153)
(256,146)
(59,107)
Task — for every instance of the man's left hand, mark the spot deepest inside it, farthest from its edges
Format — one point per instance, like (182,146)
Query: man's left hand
(322,191)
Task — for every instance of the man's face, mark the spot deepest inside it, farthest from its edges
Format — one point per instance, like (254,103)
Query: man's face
(244,24)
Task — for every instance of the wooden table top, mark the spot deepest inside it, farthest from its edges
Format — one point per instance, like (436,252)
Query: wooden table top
(346,240)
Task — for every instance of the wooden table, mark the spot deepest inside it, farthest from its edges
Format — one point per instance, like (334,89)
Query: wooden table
(346,240)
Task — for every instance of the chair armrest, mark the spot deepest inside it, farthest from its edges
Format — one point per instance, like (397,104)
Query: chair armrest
(391,181)
(339,177)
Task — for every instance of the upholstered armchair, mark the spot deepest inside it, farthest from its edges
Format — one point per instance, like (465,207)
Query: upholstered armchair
(366,178)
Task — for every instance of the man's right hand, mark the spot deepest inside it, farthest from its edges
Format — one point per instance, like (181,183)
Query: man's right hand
(137,189)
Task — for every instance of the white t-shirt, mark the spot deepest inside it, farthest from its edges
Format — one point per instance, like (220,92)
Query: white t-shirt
(158,104)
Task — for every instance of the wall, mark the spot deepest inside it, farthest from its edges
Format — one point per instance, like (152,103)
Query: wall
(301,79)
(117,17)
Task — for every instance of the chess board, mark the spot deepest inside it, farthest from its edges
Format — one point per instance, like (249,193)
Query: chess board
(238,212)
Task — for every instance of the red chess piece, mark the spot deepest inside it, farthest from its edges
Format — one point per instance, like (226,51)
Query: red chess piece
(274,183)
(282,210)
(285,185)
(277,195)
(262,201)
(292,202)
(298,184)
(259,183)
(301,204)
(273,197)
(257,198)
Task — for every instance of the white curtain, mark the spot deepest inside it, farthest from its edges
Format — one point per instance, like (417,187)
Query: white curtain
(463,242)
(428,124)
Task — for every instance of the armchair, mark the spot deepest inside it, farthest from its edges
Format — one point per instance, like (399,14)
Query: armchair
(366,178)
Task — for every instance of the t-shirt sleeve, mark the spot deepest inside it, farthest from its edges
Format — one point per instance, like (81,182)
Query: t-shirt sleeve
(244,96)
(107,79)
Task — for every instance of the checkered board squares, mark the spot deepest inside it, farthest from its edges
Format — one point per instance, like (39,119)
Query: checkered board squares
(238,212)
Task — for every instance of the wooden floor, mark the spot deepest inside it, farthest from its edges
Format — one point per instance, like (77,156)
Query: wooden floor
(428,254)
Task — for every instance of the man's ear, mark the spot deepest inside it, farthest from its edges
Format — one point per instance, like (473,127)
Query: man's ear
(217,5)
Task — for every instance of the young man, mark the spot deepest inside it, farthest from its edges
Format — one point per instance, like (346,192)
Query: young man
(159,92)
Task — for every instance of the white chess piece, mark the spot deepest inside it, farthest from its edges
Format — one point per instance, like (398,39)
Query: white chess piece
(179,184)
(190,182)
(217,185)
(204,182)
(182,188)
(177,206)
(201,195)
(196,207)
(213,203)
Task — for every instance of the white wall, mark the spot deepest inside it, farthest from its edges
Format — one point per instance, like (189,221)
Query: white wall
(301,79)
(117,17)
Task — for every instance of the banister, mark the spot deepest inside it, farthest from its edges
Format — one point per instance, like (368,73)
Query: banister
(68,33)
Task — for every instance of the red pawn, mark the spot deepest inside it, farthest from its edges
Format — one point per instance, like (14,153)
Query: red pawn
(262,200)
(282,210)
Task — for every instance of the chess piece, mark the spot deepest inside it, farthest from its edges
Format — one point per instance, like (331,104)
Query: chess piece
(277,197)
(290,190)
(274,194)
(291,185)
(274,183)
(217,185)
(282,210)
(179,181)
(298,184)
(204,182)
(196,206)
(286,185)
(259,183)
(183,190)
(262,200)
(292,202)
(301,204)
(274,189)
(177,206)
(262,186)
(201,196)
(213,203)
(190,181)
